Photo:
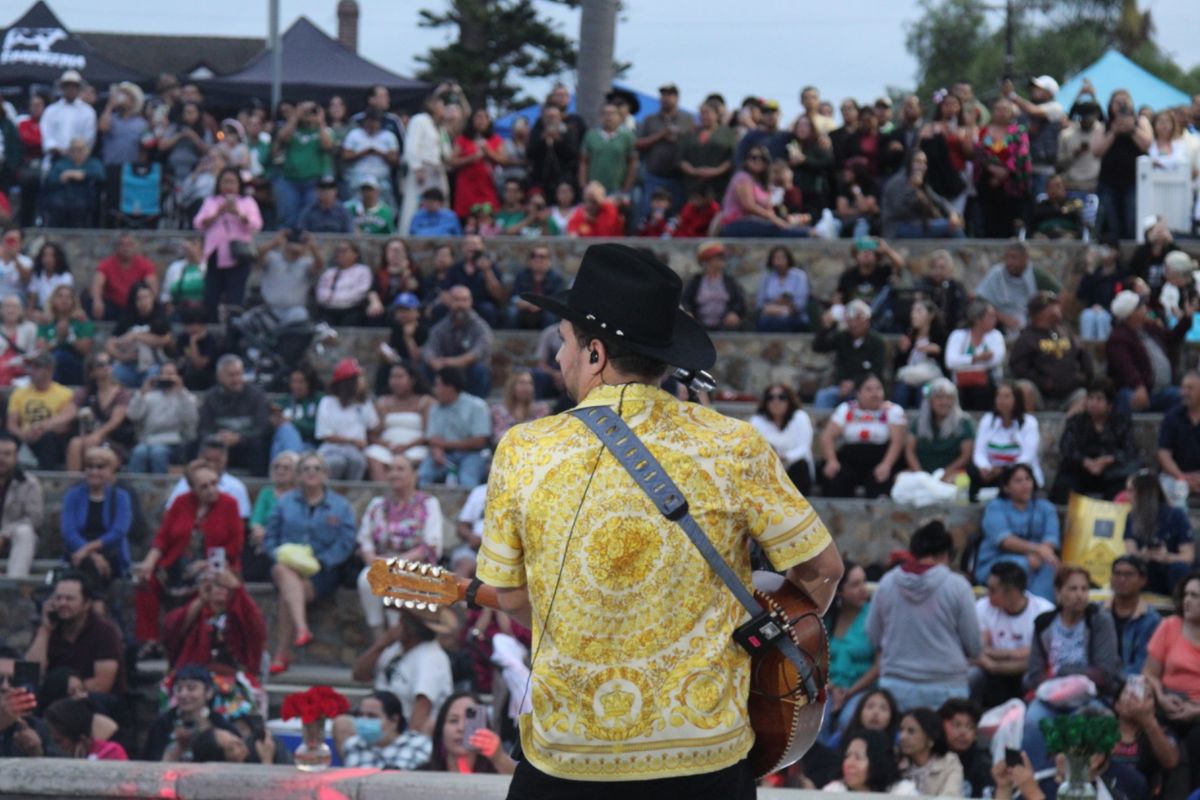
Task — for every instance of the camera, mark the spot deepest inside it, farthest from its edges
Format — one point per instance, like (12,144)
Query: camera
(165,384)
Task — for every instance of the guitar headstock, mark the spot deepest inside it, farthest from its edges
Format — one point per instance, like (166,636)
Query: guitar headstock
(412,584)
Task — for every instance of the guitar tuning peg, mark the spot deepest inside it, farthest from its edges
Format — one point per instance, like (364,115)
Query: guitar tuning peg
(432,607)
(409,604)
(437,572)
(387,602)
(391,562)
(424,569)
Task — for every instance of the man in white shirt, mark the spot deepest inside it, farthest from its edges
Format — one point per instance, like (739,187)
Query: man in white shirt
(371,150)
(1006,619)
(66,119)
(1044,116)
(214,451)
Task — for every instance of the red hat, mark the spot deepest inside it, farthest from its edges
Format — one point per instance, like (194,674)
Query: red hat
(346,368)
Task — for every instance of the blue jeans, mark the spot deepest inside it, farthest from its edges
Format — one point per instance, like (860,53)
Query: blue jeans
(1095,324)
(910,694)
(469,465)
(791,324)
(855,227)
(1163,400)
(1118,210)
(751,228)
(291,197)
(68,366)
(154,458)
(1032,742)
(127,373)
(1040,581)
(829,397)
(933,229)
(907,396)
(287,438)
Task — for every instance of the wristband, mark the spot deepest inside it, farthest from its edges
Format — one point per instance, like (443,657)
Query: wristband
(472,588)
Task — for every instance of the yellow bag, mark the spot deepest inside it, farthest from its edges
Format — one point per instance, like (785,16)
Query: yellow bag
(299,558)
(1094,536)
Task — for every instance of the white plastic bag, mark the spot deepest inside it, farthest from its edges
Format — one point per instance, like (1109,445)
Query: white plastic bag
(922,489)
(827,227)
(1005,724)
(1066,693)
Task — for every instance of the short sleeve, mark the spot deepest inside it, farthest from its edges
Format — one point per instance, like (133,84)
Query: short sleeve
(1162,639)
(777,515)
(502,553)
(839,414)
(481,420)
(895,415)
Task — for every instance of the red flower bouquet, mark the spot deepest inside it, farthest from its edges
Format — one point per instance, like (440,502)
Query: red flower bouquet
(319,702)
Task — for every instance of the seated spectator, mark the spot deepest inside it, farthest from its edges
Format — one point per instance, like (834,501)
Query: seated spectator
(116,275)
(942,437)
(1055,215)
(395,275)
(295,420)
(21,509)
(960,720)
(66,335)
(229,219)
(510,208)
(1022,529)
(1017,781)
(71,193)
(1178,444)
(459,430)
(195,525)
(18,339)
(975,356)
(341,291)
(596,216)
(919,353)
(1097,451)
(869,765)
(95,521)
(433,218)
(746,211)
(139,342)
(789,430)
(1007,435)
(375,737)
(870,278)
(788,200)
(536,220)
(72,633)
(406,524)
(65,682)
(220,745)
(16,268)
(409,661)
(539,278)
(403,414)
(715,298)
(214,451)
(1006,618)
(197,347)
(1172,655)
(454,752)
(939,286)
(42,413)
(781,301)
(910,209)
(477,271)
(1158,533)
(695,218)
(1012,285)
(344,419)
(315,516)
(1146,751)
(876,711)
(256,562)
(461,340)
(923,624)
(1075,638)
(238,415)
(22,734)
(189,715)
(1141,355)
(1050,367)
(658,216)
(290,262)
(856,200)
(517,405)
(564,204)
(324,214)
(858,352)
(183,282)
(1134,619)
(70,723)
(926,759)
(221,627)
(853,664)
(862,443)
(1179,285)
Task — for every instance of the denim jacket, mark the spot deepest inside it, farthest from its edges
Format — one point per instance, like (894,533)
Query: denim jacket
(328,527)
(1135,636)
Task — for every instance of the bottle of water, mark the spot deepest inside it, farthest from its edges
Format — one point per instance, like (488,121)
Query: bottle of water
(452,474)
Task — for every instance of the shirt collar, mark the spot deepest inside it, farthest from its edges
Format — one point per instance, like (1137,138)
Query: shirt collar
(609,395)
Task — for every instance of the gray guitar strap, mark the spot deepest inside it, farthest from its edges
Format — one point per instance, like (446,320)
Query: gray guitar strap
(645,470)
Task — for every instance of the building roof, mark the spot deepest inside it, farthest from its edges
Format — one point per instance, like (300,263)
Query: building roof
(152,54)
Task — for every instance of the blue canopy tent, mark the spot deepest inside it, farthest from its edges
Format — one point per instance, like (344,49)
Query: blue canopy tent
(1114,71)
(649,106)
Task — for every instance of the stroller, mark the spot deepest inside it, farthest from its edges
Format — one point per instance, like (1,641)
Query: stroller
(272,346)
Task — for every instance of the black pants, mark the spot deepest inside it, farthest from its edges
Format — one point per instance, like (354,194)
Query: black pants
(224,286)
(858,469)
(732,783)
(801,477)
(1074,478)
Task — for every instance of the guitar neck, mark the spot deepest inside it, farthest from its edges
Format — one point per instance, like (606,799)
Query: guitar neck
(486,596)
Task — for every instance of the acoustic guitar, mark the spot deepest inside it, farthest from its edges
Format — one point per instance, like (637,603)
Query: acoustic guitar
(785,718)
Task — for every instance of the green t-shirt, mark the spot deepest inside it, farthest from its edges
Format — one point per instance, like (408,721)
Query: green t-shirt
(264,504)
(938,453)
(506,219)
(304,159)
(303,415)
(608,157)
(381,219)
(190,286)
(76,329)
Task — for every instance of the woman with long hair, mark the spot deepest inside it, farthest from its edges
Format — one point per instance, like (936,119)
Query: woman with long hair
(810,155)
(789,430)
(108,403)
(67,335)
(942,436)
(853,662)
(746,210)
(394,275)
(1023,529)
(1168,150)
(869,765)
(478,150)
(782,297)
(50,270)
(948,141)
(341,291)
(1118,143)
(1003,171)
(926,759)
(975,356)
(1007,435)
(70,722)
(1159,533)
(919,353)
(138,342)
(229,219)
(1171,669)
(345,419)
(424,155)
(453,752)
(403,413)
(519,404)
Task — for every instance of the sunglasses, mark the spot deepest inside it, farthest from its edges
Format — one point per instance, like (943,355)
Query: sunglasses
(777,397)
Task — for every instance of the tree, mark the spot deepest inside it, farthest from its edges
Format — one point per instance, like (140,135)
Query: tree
(499,42)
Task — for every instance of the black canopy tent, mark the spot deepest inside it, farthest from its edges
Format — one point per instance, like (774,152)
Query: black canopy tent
(315,67)
(36,49)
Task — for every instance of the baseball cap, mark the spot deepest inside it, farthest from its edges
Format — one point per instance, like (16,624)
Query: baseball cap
(668,88)
(1180,263)
(327,182)
(368,180)
(406,300)
(884,101)
(770,105)
(1046,83)
(1041,301)
(865,244)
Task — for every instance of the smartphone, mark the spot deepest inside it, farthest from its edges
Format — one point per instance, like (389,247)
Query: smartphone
(1137,686)
(27,675)
(216,560)
(164,384)
(258,728)
(1012,757)
(476,719)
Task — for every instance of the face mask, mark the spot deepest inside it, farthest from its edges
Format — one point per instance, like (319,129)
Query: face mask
(369,729)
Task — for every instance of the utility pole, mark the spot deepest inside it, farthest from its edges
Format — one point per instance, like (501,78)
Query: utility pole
(276,56)
(597,35)
(1008,39)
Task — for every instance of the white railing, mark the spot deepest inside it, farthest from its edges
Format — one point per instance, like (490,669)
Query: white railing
(1166,191)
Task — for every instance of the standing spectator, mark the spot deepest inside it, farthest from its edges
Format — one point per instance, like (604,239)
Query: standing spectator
(713,296)
(70,724)
(121,126)
(515,162)
(1133,617)
(1003,171)
(116,275)
(1006,617)
(433,218)
(16,268)
(341,291)
(324,214)
(237,415)
(596,215)
(1097,451)
(746,211)
(1078,165)
(1179,444)
(1022,529)
(1050,367)
(858,351)
(930,766)
(71,633)
(1124,137)
(810,155)
(164,415)
(1011,285)
(184,144)
(459,429)
(66,335)
(609,155)
(538,278)
(477,153)
(368,212)
(304,144)
(67,118)
(853,663)
(103,406)
(519,404)
(1158,533)
(21,509)
(975,356)
(1142,355)
(41,413)
(923,624)
(139,342)
(461,340)
(424,156)
(370,151)
(862,443)
(706,155)
(659,146)
(29,132)
(229,219)
(942,437)
(1171,670)
(783,293)
(960,718)
(1097,289)
(71,191)
(553,150)
(312,515)
(1043,115)
(789,431)
(344,419)
(948,141)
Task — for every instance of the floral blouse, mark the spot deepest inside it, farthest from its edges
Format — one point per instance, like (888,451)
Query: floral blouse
(390,528)
(1012,153)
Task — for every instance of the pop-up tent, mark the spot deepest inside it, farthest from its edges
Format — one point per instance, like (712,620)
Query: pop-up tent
(1114,71)
(37,49)
(649,105)
(315,67)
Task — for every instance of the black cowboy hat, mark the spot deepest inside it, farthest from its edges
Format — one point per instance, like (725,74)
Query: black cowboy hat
(629,297)
(619,95)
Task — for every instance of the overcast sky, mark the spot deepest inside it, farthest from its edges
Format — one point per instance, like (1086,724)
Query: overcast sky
(765,47)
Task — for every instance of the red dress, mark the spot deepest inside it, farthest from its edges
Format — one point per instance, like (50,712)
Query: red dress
(475,183)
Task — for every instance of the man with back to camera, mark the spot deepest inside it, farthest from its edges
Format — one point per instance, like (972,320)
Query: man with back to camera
(635,677)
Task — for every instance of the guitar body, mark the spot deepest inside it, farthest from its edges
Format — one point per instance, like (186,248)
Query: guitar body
(785,722)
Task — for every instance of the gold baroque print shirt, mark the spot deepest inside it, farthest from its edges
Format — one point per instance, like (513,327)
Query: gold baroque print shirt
(636,674)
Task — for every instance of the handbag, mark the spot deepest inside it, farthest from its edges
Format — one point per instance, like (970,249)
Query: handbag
(241,251)
(971,379)
(299,558)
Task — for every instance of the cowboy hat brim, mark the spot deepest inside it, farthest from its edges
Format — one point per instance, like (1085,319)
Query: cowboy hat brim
(690,348)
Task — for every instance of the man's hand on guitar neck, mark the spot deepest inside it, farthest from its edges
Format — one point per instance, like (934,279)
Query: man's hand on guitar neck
(818,577)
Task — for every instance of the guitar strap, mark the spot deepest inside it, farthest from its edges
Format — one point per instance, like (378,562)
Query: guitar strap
(643,467)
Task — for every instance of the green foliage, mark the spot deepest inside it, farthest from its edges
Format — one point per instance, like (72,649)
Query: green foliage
(1080,734)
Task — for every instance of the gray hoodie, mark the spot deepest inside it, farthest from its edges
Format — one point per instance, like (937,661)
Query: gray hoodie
(923,625)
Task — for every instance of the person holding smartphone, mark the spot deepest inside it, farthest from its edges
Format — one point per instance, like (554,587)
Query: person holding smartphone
(461,736)
(22,735)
